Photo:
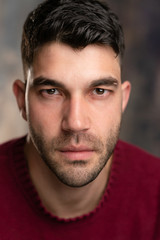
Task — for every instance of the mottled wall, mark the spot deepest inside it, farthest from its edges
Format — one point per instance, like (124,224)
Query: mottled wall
(140,19)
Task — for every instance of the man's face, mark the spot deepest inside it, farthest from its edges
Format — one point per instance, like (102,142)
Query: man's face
(74,103)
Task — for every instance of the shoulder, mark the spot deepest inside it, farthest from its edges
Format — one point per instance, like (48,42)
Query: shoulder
(11,157)
(133,151)
(138,161)
(137,181)
(8,147)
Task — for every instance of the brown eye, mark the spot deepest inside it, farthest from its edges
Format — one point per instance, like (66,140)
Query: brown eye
(52,91)
(99,91)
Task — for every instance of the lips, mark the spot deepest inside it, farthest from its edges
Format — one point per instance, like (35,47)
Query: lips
(76,152)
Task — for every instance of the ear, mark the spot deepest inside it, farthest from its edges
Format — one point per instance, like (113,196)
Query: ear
(19,92)
(126,89)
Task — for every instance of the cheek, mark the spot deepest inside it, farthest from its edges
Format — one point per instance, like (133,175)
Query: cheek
(43,118)
(107,118)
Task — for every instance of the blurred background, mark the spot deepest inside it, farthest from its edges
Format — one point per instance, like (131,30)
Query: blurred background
(140,20)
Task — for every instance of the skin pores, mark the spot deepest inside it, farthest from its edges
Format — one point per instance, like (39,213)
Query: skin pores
(74,101)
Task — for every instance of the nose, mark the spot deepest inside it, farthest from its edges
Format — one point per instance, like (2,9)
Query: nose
(76,115)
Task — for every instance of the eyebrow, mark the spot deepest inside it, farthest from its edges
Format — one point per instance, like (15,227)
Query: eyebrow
(108,81)
(47,82)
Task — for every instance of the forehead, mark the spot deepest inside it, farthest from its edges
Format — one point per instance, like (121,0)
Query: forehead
(61,62)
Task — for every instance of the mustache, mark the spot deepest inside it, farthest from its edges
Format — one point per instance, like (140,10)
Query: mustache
(87,139)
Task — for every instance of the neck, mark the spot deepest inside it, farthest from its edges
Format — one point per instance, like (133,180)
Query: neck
(59,199)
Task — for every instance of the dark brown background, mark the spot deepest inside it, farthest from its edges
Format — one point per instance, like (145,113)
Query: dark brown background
(141,22)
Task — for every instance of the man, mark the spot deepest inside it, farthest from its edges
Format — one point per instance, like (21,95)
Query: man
(71,178)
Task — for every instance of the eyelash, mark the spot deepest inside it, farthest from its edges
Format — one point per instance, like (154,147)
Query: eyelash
(102,91)
(51,91)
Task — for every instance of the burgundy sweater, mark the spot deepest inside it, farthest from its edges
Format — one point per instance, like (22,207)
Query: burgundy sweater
(129,209)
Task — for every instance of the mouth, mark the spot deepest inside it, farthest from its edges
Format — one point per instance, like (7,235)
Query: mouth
(74,153)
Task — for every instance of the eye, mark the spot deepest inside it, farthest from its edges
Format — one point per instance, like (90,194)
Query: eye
(51,91)
(100,91)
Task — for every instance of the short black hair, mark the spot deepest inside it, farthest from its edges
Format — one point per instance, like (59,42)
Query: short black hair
(76,23)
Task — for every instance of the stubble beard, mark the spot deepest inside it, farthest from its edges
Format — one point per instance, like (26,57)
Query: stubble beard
(77,173)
